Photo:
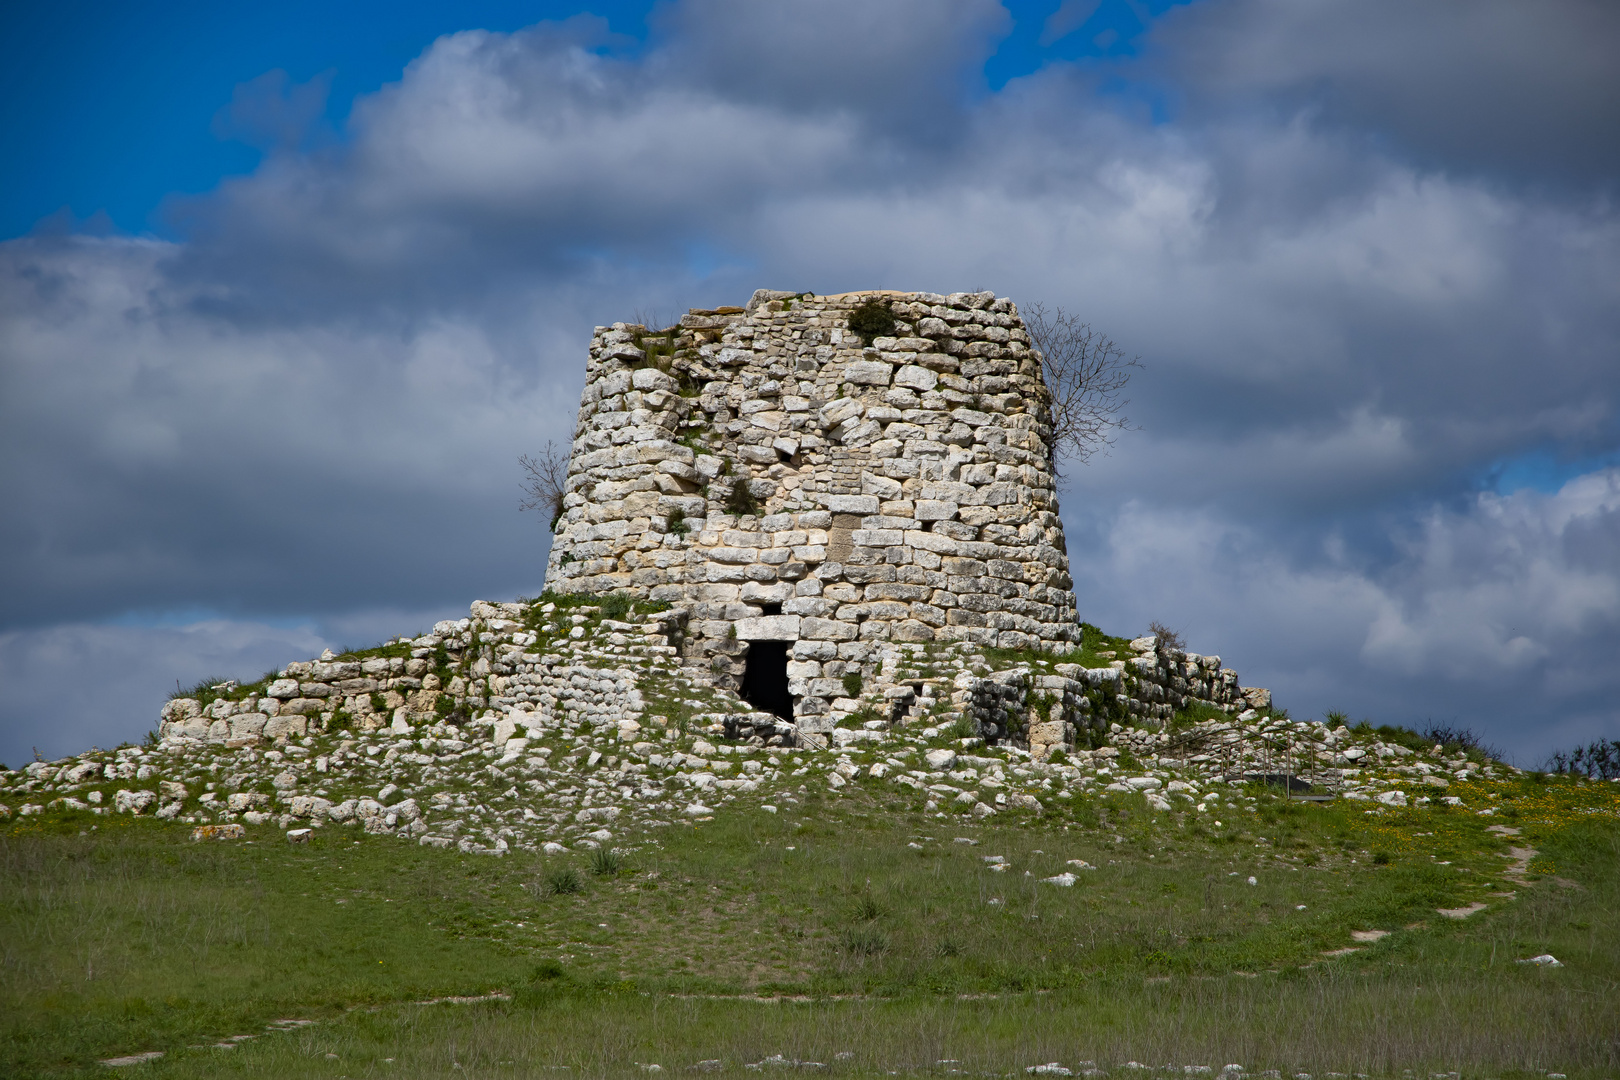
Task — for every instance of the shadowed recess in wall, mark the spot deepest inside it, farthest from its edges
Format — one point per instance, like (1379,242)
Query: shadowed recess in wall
(765,678)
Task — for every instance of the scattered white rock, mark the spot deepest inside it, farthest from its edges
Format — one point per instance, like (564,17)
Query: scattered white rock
(133,1059)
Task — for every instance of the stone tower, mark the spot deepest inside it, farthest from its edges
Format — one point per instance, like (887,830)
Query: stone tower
(804,493)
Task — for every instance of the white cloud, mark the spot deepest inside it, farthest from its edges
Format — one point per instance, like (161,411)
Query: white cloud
(1490,613)
(1518,88)
(75,685)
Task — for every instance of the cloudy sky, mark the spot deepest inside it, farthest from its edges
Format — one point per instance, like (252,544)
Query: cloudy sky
(285,293)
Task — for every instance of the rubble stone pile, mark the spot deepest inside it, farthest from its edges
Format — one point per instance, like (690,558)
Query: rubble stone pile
(622,739)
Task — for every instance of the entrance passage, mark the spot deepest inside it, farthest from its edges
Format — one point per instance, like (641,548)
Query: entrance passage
(765,681)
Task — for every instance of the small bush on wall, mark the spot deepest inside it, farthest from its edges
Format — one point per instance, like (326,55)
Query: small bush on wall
(872,319)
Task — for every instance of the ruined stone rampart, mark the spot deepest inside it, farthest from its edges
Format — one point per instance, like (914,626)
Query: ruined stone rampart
(758,493)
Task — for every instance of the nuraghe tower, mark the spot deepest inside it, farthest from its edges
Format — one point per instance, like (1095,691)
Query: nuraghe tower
(804,494)
(852,527)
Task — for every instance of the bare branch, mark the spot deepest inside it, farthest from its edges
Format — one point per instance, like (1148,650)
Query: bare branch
(545,483)
(1167,640)
(1086,373)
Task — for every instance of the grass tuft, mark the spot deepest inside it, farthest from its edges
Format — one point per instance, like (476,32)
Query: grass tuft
(865,941)
(563,882)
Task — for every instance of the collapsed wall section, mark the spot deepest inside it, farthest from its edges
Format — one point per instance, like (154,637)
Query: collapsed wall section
(780,475)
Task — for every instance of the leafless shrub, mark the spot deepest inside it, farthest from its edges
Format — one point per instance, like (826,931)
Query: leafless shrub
(544,483)
(1169,641)
(1599,760)
(1086,373)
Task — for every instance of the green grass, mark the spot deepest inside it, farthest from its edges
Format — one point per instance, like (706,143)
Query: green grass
(128,937)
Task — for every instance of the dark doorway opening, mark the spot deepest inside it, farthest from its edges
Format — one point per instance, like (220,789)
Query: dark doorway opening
(765,681)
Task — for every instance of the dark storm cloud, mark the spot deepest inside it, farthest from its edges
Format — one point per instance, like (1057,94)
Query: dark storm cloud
(313,405)
(904,69)
(1530,90)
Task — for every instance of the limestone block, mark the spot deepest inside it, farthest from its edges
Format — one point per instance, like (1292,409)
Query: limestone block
(181,709)
(248,725)
(285,726)
(641,504)
(827,630)
(768,628)
(309,806)
(283,689)
(910,630)
(758,593)
(681,471)
(814,650)
(813,606)
(878,537)
(897,591)
(881,486)
(1048,736)
(916,378)
(653,379)
(770,420)
(621,350)
(839,411)
(126,801)
(869,373)
(851,504)
(938,543)
(857,435)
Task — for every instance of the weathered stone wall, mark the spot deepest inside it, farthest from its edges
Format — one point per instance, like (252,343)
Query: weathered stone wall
(904,488)
(561,726)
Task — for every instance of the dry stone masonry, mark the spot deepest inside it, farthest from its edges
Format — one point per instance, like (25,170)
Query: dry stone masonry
(807,496)
(807,544)
(781,478)
(620,739)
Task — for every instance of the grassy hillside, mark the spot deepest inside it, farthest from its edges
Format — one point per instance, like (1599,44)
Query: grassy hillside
(851,929)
